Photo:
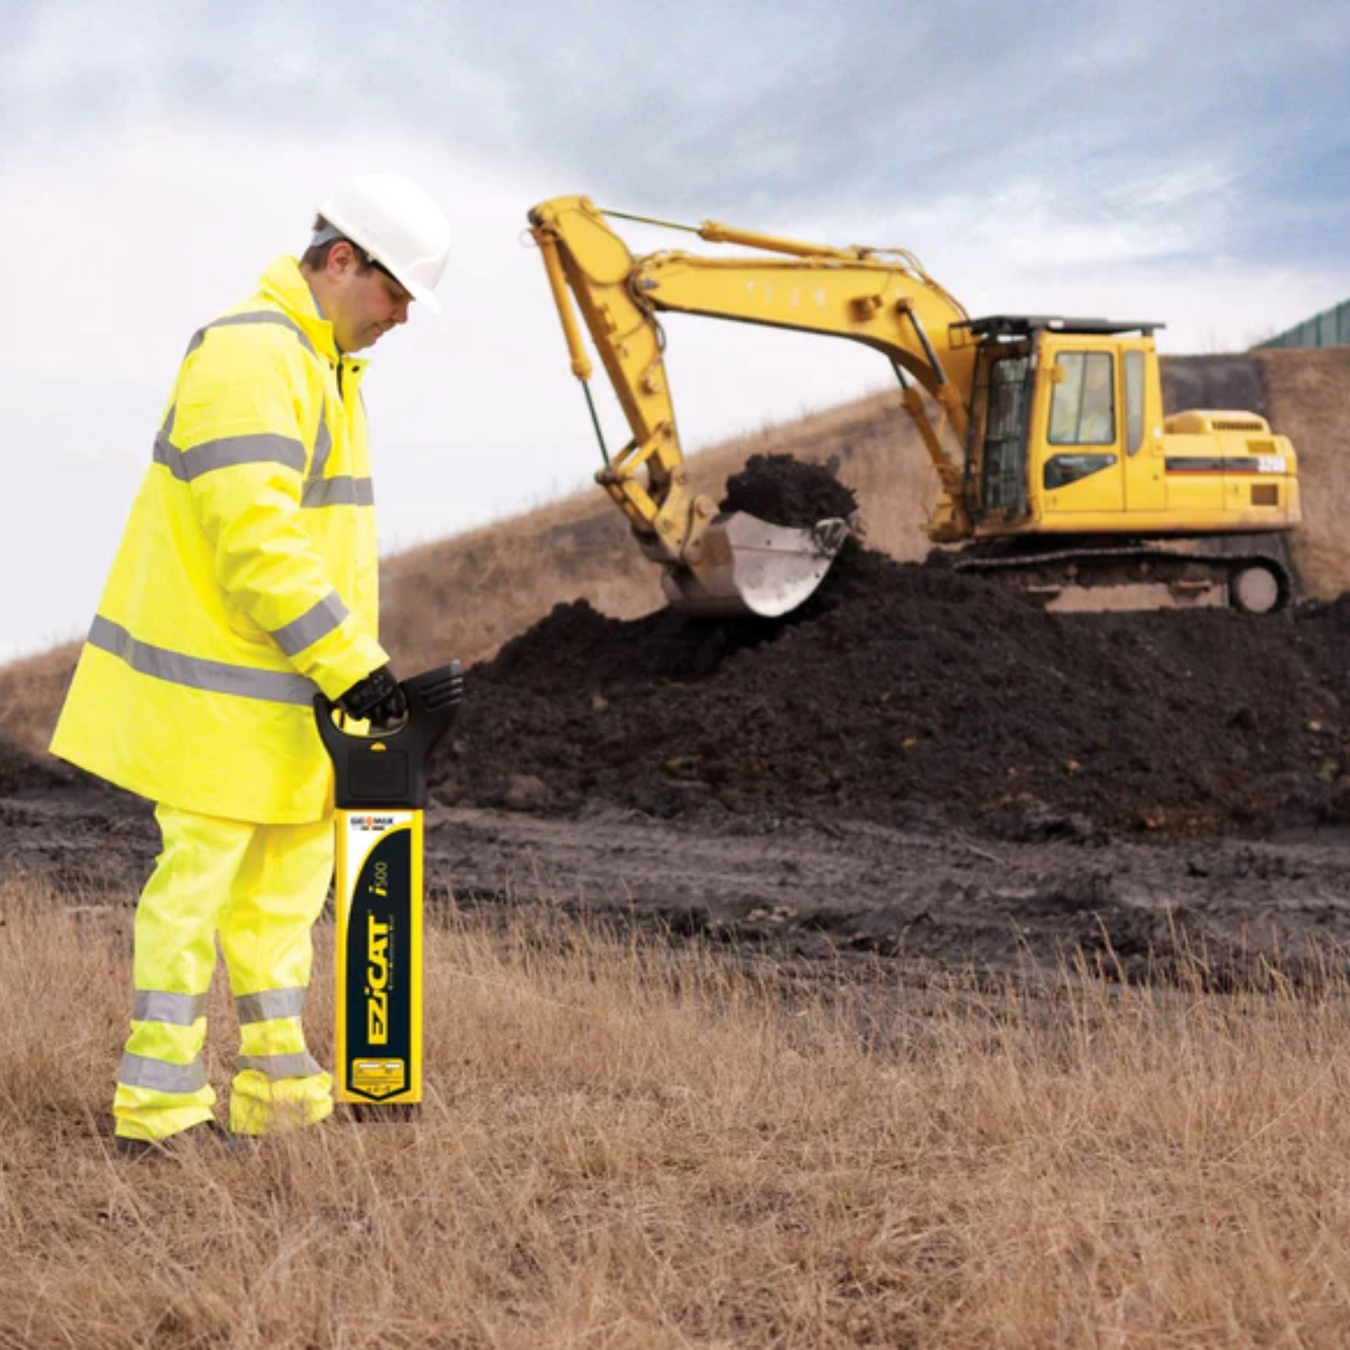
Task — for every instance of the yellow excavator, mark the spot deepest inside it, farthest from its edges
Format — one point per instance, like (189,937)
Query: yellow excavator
(1057,466)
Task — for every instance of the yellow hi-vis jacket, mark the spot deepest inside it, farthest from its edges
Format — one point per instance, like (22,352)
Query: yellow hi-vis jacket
(246,579)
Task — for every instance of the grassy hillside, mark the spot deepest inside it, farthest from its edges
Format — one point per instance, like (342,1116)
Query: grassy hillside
(1308,394)
(465,596)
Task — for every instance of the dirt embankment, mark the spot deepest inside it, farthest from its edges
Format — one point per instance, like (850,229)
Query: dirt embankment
(903,691)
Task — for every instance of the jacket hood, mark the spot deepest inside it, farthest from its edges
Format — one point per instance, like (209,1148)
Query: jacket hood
(284,284)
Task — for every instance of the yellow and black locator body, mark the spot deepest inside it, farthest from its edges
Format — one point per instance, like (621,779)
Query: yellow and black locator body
(381,792)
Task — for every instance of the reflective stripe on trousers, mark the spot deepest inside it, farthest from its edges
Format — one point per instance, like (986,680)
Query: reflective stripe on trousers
(260,888)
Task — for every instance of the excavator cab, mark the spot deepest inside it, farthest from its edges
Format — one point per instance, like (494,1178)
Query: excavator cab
(1077,485)
(996,450)
(1047,400)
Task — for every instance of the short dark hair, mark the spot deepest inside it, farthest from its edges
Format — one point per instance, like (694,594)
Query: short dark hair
(315,257)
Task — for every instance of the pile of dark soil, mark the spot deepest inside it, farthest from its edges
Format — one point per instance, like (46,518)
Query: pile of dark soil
(23,776)
(788,491)
(905,691)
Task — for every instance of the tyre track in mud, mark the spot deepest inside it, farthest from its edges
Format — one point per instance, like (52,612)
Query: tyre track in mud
(925,895)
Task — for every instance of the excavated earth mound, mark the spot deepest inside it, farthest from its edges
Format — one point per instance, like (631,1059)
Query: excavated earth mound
(904,692)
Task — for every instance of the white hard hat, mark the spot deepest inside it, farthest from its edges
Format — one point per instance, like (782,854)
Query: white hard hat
(398,225)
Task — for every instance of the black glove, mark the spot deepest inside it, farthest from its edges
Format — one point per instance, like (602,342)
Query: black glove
(377,698)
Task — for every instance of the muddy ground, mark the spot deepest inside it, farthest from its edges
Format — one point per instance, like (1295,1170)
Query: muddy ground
(918,893)
(917,766)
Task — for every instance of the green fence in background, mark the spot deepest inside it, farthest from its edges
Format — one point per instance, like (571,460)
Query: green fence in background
(1331,328)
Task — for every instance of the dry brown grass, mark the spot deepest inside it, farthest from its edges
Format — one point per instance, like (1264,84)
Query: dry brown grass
(31,694)
(631,1145)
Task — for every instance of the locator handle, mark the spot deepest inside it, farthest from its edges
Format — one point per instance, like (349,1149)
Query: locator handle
(387,767)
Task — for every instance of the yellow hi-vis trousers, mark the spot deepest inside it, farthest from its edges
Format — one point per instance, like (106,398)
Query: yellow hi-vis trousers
(261,887)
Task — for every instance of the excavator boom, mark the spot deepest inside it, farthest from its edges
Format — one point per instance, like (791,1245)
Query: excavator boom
(885,300)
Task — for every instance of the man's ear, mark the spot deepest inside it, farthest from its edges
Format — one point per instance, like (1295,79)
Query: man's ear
(341,260)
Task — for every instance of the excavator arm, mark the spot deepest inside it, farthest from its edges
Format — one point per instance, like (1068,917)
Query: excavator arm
(882,299)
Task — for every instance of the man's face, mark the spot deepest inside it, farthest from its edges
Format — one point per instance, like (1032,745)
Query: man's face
(362,305)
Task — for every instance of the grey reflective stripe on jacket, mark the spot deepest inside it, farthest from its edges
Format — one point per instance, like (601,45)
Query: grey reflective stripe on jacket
(269,1004)
(159,1075)
(253,316)
(343,490)
(282,1066)
(175,1010)
(316,622)
(196,672)
(323,443)
(229,452)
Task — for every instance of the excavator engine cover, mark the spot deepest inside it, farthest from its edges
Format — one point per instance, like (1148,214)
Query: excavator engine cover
(749,566)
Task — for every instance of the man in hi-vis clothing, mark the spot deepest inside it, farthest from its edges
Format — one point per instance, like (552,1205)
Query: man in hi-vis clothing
(246,580)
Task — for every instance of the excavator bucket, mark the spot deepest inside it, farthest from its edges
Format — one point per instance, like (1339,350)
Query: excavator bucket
(752,567)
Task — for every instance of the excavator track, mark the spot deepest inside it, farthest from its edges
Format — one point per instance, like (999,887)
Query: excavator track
(1251,575)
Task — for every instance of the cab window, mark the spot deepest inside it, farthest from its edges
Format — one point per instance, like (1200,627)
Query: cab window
(1134,402)
(1061,470)
(1083,409)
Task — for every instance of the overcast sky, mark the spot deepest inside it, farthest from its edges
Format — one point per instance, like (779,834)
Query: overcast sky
(1170,160)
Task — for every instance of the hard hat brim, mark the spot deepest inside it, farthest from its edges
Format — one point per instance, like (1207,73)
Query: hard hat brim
(420,293)
(424,297)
